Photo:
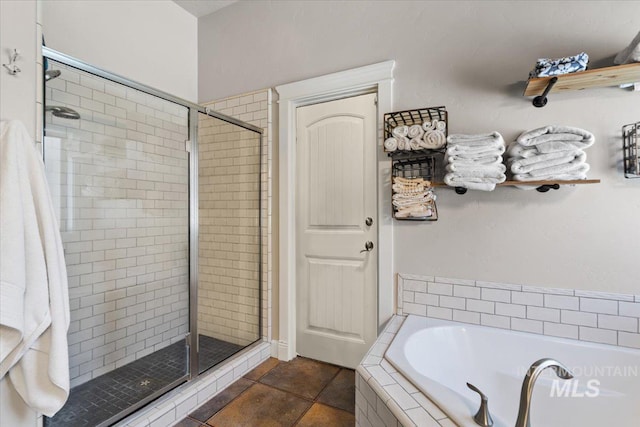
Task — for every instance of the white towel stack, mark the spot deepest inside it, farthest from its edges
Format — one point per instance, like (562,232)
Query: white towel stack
(550,153)
(475,161)
(430,135)
(413,198)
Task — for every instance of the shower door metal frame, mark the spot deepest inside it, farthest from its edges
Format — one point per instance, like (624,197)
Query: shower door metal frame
(192,148)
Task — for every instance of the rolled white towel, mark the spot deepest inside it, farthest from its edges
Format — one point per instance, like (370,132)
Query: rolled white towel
(400,131)
(390,144)
(415,131)
(403,143)
(542,161)
(549,139)
(415,143)
(476,170)
(428,125)
(440,125)
(434,139)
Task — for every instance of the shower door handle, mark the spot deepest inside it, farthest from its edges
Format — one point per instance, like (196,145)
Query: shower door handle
(367,247)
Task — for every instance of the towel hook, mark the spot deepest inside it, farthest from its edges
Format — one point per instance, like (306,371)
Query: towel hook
(11,66)
(541,101)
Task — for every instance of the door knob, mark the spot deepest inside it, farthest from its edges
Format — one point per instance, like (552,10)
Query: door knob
(369,221)
(367,247)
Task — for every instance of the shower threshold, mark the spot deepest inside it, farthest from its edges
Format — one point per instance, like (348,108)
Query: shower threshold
(110,397)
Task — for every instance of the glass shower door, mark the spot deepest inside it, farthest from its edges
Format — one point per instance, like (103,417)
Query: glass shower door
(229,263)
(118,171)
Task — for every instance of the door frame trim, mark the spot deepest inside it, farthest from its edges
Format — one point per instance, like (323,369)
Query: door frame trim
(371,78)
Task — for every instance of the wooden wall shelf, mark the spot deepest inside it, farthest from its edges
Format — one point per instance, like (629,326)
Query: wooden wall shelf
(534,183)
(542,186)
(599,77)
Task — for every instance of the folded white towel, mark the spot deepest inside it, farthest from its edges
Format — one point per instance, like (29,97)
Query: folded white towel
(630,53)
(390,144)
(400,131)
(473,183)
(542,161)
(492,159)
(463,151)
(403,143)
(550,139)
(477,170)
(462,137)
(434,139)
(415,131)
(578,174)
(427,125)
(576,166)
(475,144)
(516,150)
(406,202)
(417,211)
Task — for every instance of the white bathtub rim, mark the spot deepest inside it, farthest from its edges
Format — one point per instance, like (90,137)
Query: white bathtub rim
(459,408)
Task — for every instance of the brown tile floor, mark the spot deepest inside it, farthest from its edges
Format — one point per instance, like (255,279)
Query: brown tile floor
(303,393)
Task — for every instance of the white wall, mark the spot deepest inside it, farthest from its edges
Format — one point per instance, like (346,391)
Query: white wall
(151,42)
(18,31)
(17,102)
(471,57)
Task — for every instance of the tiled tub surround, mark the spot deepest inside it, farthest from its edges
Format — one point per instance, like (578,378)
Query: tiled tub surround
(385,398)
(600,317)
(119,177)
(255,108)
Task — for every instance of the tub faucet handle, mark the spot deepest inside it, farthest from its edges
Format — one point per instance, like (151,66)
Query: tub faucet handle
(482,417)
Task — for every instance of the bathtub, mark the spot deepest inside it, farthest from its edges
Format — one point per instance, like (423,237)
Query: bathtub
(439,357)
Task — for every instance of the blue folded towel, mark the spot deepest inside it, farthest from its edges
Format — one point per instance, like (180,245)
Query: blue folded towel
(546,67)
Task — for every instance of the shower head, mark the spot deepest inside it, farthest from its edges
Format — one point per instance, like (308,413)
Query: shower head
(51,74)
(63,112)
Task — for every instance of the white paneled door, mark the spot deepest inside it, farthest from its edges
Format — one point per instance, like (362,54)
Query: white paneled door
(336,230)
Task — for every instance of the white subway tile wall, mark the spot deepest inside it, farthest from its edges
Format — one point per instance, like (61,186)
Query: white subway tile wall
(589,316)
(119,180)
(229,184)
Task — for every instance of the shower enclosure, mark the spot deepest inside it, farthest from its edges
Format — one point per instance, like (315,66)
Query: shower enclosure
(158,201)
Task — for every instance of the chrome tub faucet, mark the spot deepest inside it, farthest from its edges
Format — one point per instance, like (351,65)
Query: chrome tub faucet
(524,412)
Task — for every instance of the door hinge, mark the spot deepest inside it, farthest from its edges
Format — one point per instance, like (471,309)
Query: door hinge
(375,100)
(187,146)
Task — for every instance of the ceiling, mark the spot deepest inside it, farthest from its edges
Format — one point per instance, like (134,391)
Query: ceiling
(200,8)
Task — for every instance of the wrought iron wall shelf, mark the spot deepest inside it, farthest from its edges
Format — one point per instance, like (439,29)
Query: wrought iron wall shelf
(410,118)
(417,167)
(630,142)
(599,77)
